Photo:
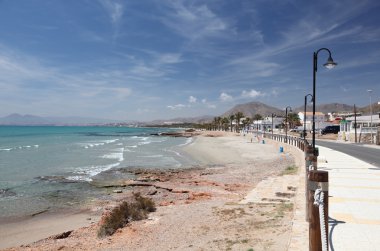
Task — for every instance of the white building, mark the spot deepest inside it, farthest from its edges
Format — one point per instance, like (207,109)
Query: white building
(266,124)
(320,120)
(363,128)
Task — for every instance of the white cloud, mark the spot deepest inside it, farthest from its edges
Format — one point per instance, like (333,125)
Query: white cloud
(192,99)
(114,10)
(170,58)
(251,94)
(204,101)
(193,21)
(225,97)
(176,107)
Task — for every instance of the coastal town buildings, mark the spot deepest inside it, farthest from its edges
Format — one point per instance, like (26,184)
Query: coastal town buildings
(320,120)
(364,129)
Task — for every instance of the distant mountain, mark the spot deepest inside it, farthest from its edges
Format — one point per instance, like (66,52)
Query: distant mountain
(366,110)
(18,119)
(327,108)
(252,108)
(196,120)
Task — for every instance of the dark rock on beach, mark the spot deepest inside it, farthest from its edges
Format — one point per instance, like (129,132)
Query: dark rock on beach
(6,193)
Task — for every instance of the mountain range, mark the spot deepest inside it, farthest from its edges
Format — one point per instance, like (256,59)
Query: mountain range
(248,109)
(18,119)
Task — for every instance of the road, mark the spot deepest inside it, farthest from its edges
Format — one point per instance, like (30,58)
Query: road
(367,154)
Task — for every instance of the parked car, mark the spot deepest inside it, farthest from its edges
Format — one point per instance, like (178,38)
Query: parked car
(331,129)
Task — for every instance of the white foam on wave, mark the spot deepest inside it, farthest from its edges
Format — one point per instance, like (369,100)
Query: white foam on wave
(85,173)
(172,151)
(87,145)
(144,143)
(109,141)
(117,154)
(151,156)
(188,141)
(18,147)
(6,149)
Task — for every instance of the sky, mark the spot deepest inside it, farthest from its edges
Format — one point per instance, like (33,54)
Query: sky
(161,59)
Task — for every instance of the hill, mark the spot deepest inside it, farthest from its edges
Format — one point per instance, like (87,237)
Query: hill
(252,108)
(190,120)
(18,119)
(326,108)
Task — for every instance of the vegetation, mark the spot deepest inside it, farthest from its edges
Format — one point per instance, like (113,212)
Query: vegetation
(126,212)
(293,120)
(232,118)
(290,170)
(238,117)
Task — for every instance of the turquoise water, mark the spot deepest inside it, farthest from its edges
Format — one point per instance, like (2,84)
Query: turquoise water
(47,167)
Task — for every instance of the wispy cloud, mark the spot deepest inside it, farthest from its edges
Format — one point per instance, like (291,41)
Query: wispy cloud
(192,99)
(192,21)
(176,107)
(224,97)
(114,9)
(251,94)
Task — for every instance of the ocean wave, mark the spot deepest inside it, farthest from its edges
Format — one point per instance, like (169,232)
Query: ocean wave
(115,155)
(87,145)
(188,141)
(18,148)
(6,149)
(144,143)
(172,151)
(85,173)
(110,141)
(127,150)
(151,156)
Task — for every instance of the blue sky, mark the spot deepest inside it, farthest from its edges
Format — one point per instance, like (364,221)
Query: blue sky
(148,59)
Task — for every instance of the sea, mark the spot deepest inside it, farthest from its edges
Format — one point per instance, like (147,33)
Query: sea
(44,168)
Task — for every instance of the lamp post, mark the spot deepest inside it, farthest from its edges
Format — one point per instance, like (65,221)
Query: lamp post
(329,65)
(286,122)
(304,116)
(273,114)
(370,111)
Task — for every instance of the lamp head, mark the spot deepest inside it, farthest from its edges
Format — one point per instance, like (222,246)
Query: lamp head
(330,63)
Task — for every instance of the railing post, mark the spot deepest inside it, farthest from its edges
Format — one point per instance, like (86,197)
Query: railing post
(317,179)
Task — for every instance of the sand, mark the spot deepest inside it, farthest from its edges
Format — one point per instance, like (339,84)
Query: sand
(203,208)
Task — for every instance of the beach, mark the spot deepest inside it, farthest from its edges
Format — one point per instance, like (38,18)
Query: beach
(205,207)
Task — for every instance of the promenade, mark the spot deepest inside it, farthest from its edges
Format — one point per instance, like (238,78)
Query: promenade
(354,203)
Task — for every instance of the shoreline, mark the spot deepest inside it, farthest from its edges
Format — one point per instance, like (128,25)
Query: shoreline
(230,166)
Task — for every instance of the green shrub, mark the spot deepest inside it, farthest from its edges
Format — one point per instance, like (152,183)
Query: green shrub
(126,212)
(290,170)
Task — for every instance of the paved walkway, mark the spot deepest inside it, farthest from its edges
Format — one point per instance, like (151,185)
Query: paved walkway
(354,203)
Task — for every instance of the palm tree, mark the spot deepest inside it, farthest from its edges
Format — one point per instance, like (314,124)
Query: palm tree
(246,122)
(232,118)
(293,120)
(257,117)
(225,122)
(238,116)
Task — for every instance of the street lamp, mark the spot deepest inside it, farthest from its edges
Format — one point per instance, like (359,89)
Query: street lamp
(370,110)
(273,114)
(329,65)
(304,116)
(286,122)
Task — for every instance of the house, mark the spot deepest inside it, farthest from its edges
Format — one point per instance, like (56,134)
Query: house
(364,128)
(266,124)
(320,120)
